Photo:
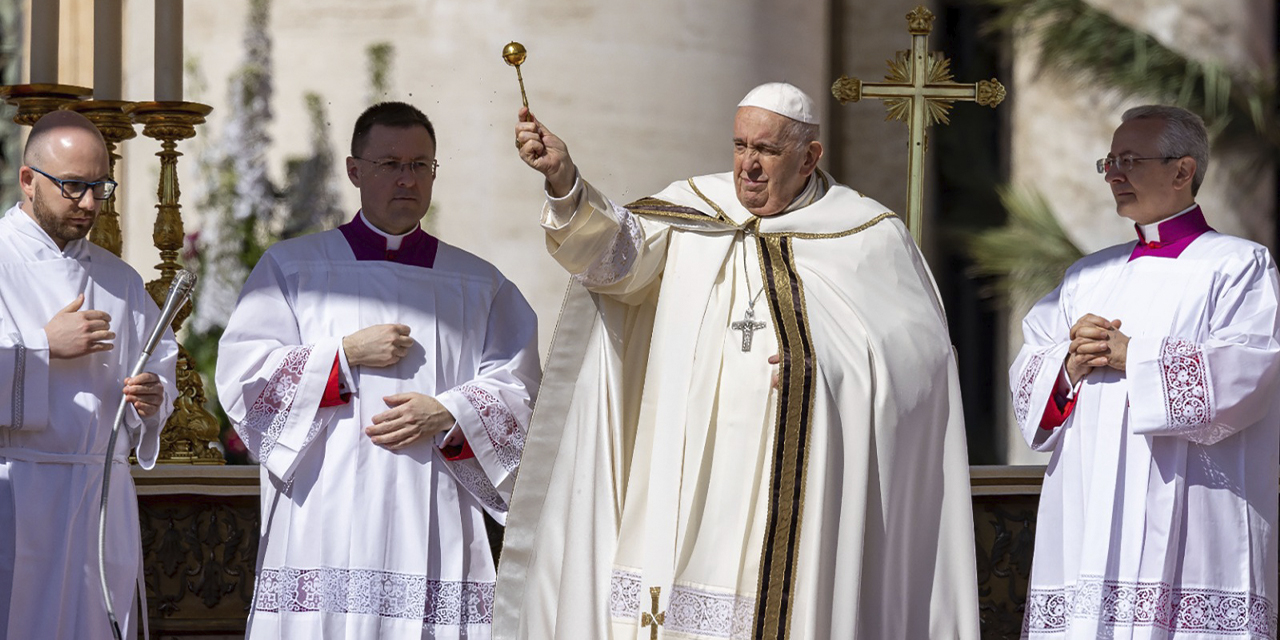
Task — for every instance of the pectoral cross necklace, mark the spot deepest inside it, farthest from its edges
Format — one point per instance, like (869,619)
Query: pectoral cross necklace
(748,325)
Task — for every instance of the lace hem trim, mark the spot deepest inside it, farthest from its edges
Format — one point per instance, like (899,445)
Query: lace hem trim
(1115,603)
(691,610)
(370,592)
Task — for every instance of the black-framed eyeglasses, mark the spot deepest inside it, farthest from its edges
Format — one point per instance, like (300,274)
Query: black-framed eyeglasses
(1125,163)
(418,168)
(75,189)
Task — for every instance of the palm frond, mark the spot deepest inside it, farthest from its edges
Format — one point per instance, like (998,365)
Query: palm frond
(1030,253)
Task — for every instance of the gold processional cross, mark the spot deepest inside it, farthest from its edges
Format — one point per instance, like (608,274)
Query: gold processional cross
(919,92)
(654,619)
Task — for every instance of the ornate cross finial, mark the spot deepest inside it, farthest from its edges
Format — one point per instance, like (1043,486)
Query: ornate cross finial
(654,619)
(918,91)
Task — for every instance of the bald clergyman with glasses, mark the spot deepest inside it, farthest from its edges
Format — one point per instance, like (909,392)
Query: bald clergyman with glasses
(1150,374)
(73,321)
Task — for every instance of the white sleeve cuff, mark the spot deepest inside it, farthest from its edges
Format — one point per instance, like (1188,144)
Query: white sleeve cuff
(560,210)
(1064,386)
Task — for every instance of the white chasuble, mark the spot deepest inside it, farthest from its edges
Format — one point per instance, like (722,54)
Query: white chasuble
(55,420)
(675,488)
(359,541)
(1158,514)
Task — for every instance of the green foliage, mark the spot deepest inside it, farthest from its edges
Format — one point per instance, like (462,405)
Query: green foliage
(379,59)
(1087,45)
(1030,253)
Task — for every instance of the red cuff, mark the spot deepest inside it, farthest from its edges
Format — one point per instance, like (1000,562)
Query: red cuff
(333,393)
(459,452)
(1056,411)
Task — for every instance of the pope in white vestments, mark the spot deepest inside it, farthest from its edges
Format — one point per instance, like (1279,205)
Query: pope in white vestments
(669,486)
(384,381)
(73,321)
(1150,374)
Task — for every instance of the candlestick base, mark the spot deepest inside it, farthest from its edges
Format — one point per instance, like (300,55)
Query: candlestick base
(35,100)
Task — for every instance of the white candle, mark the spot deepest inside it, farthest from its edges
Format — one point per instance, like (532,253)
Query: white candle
(44,41)
(168,50)
(108,23)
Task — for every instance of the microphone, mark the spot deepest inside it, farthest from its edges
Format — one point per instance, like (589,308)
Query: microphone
(184,282)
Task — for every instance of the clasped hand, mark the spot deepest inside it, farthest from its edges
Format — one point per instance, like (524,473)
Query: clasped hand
(1095,342)
(380,345)
(411,417)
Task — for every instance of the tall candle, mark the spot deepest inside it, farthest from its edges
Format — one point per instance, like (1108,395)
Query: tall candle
(168,50)
(108,23)
(44,41)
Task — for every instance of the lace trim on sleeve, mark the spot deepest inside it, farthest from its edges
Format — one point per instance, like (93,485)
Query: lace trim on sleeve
(1026,382)
(474,480)
(499,423)
(1188,398)
(266,418)
(617,260)
(19,376)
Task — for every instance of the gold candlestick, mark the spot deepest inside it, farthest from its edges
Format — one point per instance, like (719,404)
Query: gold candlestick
(514,53)
(35,100)
(191,427)
(110,119)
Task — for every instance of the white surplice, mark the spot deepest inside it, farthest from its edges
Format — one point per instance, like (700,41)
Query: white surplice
(1158,514)
(359,541)
(55,421)
(670,478)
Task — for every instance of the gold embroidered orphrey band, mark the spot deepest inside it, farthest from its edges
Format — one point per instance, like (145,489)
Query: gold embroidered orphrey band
(655,207)
(780,555)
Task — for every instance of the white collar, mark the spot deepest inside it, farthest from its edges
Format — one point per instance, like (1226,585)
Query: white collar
(811,192)
(25,224)
(1151,232)
(393,241)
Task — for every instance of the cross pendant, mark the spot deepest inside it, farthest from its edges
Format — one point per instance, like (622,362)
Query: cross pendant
(653,619)
(748,326)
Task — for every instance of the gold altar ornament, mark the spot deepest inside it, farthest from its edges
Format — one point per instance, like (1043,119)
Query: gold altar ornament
(920,92)
(514,53)
(35,100)
(115,125)
(191,427)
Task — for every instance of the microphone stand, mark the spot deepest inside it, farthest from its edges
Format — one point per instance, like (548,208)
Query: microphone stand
(184,283)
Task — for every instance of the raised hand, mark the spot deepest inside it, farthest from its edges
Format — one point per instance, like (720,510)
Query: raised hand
(545,152)
(73,333)
(411,417)
(380,345)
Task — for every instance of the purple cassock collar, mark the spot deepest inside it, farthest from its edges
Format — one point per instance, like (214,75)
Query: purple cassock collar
(1176,234)
(417,249)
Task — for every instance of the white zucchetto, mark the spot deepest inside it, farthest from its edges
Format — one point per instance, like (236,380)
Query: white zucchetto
(783,99)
